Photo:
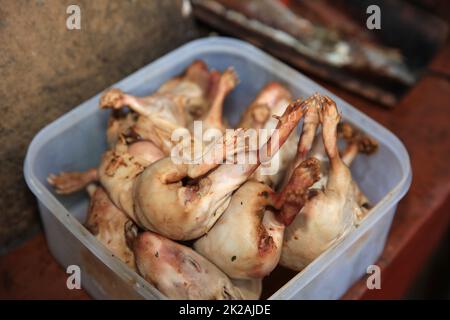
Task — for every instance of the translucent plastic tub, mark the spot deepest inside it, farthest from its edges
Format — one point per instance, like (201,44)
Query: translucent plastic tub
(76,141)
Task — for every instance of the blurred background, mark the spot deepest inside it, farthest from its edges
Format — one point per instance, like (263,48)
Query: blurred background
(47,70)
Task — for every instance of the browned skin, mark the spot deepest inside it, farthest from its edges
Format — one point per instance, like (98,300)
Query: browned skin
(357,142)
(196,73)
(332,211)
(112,99)
(271,101)
(69,182)
(150,108)
(200,202)
(159,114)
(257,114)
(207,80)
(118,122)
(226,82)
(198,94)
(219,151)
(295,194)
(179,272)
(119,168)
(213,83)
(107,223)
(287,122)
(354,136)
(248,234)
(310,125)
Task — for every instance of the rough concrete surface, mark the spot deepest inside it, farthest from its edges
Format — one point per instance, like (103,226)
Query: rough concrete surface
(46,70)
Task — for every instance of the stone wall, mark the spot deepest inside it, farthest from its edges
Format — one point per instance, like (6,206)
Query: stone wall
(46,70)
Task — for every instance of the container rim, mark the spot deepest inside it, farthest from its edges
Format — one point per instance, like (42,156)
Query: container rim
(192,49)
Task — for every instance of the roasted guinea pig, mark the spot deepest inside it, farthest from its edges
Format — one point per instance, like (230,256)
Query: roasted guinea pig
(181,273)
(334,204)
(192,197)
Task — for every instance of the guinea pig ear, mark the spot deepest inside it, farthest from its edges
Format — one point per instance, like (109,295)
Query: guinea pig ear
(131,232)
(231,294)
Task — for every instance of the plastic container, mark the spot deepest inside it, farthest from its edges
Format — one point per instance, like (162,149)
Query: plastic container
(76,141)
